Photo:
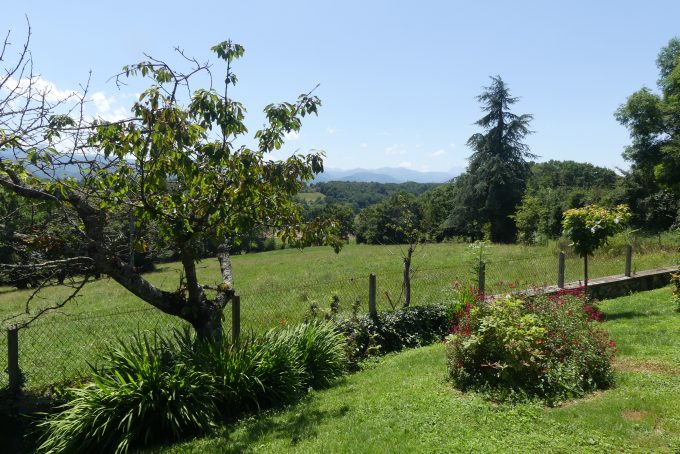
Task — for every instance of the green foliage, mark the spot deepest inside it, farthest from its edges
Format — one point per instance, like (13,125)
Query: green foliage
(554,187)
(322,352)
(361,195)
(393,331)
(652,120)
(591,226)
(170,388)
(143,396)
(397,220)
(547,348)
(437,205)
(496,176)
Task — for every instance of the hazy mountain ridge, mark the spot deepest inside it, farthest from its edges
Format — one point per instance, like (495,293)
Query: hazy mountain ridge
(386,175)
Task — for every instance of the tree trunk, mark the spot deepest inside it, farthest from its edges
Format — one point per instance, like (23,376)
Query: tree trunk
(585,272)
(407,276)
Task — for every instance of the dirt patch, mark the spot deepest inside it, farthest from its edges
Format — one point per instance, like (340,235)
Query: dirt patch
(635,415)
(644,366)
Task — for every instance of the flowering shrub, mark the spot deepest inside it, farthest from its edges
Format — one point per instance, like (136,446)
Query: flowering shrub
(549,347)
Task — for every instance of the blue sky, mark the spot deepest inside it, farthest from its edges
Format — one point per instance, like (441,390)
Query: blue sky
(398,80)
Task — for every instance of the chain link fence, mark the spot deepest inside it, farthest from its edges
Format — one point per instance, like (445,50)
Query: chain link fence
(60,348)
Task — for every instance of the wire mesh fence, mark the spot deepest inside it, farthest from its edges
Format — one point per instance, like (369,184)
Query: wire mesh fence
(61,347)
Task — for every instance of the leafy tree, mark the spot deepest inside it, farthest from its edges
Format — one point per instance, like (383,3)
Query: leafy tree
(176,162)
(554,187)
(498,170)
(437,205)
(653,120)
(590,227)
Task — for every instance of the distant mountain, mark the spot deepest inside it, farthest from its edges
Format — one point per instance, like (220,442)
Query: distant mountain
(386,175)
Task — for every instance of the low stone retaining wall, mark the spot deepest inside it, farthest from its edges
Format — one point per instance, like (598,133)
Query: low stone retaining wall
(615,286)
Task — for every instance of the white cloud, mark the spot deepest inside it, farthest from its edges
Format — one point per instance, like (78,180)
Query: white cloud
(41,86)
(439,152)
(292,135)
(395,149)
(425,168)
(405,165)
(102,102)
(330,130)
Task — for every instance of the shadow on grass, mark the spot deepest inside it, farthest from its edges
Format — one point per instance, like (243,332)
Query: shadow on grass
(18,414)
(294,426)
(627,315)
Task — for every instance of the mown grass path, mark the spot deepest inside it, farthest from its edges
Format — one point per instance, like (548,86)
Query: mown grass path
(404,403)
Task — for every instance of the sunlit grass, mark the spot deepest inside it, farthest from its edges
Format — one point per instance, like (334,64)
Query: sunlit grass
(278,287)
(405,404)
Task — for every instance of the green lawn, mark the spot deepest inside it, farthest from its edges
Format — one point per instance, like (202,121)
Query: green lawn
(405,404)
(279,287)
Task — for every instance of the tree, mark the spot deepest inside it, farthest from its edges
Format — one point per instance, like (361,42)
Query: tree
(175,163)
(555,186)
(590,227)
(498,170)
(653,120)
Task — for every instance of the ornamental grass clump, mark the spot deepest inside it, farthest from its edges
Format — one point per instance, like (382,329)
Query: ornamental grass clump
(157,390)
(143,396)
(549,348)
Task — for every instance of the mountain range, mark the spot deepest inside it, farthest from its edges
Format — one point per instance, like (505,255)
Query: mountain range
(386,175)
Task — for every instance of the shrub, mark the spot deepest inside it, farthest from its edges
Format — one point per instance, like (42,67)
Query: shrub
(392,331)
(143,396)
(547,347)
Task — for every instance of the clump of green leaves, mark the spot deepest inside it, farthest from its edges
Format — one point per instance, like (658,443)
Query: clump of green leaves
(590,227)
(143,396)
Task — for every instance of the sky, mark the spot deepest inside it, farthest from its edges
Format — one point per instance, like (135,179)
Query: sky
(397,79)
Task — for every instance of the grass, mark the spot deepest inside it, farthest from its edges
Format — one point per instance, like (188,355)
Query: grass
(278,287)
(405,404)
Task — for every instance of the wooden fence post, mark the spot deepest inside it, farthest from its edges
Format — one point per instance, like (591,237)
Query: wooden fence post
(235,317)
(13,359)
(629,259)
(560,270)
(481,277)
(372,308)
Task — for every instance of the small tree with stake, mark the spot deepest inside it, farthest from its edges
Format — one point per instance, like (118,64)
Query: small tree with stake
(590,227)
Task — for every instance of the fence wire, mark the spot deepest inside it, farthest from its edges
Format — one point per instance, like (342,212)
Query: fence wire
(61,347)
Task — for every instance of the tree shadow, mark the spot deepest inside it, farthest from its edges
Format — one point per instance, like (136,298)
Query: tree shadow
(18,415)
(627,315)
(299,423)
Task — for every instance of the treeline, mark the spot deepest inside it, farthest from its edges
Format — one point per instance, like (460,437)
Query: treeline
(552,188)
(360,195)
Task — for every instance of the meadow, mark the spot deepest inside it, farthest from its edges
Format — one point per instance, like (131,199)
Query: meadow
(404,403)
(278,287)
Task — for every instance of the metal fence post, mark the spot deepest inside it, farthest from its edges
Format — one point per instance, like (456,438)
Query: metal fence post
(372,308)
(560,270)
(235,317)
(481,277)
(629,259)
(13,359)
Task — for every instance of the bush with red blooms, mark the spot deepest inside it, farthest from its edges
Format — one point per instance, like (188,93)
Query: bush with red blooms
(547,347)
